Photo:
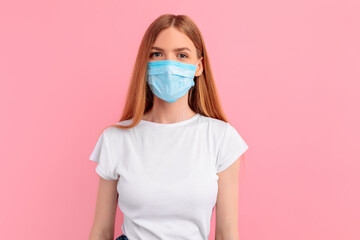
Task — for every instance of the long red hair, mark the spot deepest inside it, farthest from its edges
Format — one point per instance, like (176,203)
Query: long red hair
(203,97)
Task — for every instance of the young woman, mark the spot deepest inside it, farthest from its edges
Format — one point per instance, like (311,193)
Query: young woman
(173,156)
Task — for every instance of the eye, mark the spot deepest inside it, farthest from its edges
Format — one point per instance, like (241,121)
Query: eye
(183,55)
(153,53)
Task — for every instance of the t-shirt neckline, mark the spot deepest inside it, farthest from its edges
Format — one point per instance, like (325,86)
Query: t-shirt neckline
(181,123)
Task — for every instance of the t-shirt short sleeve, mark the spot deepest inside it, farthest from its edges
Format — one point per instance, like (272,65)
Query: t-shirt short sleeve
(102,154)
(231,148)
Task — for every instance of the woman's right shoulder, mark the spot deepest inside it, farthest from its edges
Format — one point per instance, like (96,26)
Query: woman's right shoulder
(115,130)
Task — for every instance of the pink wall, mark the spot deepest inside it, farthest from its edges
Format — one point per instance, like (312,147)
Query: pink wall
(288,73)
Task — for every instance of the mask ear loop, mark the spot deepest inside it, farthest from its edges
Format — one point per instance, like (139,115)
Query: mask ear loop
(196,77)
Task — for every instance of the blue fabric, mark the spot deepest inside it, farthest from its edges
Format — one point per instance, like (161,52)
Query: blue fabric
(170,80)
(122,237)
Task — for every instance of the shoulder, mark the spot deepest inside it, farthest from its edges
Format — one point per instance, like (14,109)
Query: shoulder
(214,123)
(113,133)
(223,131)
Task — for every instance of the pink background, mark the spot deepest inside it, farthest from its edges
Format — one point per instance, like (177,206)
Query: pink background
(288,75)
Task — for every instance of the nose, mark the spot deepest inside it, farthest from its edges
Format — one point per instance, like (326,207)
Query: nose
(170,57)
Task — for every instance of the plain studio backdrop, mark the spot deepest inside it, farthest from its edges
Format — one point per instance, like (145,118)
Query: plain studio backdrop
(288,76)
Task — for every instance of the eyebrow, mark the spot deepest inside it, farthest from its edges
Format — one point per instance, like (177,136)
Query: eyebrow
(176,49)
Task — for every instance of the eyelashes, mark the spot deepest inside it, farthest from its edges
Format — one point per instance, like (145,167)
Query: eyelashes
(186,56)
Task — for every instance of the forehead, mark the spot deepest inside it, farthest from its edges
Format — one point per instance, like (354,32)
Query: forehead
(170,39)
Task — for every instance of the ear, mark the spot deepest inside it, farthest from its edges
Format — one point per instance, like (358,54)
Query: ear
(199,68)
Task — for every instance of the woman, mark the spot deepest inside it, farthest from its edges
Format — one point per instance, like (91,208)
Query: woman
(172,156)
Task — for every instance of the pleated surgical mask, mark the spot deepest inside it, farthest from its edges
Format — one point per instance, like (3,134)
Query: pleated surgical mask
(170,80)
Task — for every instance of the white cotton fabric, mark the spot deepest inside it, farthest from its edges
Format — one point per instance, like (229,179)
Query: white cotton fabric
(167,181)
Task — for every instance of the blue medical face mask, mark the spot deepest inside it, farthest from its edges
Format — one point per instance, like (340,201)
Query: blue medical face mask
(170,80)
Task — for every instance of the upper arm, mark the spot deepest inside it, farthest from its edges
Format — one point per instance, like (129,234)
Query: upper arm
(227,202)
(106,203)
(230,154)
(105,212)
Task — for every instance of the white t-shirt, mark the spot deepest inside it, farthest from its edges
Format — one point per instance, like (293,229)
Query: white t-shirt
(167,181)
